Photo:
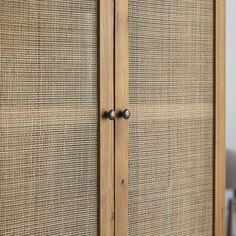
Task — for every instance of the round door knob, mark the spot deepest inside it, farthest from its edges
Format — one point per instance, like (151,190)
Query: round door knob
(125,114)
(111,115)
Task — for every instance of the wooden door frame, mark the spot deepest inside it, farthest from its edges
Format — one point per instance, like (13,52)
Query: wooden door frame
(220,94)
(114,153)
(121,125)
(106,97)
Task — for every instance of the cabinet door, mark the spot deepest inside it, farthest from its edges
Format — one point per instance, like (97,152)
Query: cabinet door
(168,155)
(49,118)
(171,133)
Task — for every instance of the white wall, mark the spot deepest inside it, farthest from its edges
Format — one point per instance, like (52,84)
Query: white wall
(231,75)
(231,92)
(231,95)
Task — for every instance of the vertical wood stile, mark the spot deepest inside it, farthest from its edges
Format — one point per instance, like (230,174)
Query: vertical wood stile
(121,125)
(220,151)
(106,13)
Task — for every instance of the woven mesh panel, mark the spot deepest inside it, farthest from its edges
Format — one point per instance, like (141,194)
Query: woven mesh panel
(48,115)
(171,132)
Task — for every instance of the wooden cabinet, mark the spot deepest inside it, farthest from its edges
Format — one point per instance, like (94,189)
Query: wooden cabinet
(70,168)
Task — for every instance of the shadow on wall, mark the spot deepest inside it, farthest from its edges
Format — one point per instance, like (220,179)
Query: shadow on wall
(231,169)
(230,193)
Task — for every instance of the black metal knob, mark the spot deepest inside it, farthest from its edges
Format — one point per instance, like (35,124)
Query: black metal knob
(111,115)
(125,114)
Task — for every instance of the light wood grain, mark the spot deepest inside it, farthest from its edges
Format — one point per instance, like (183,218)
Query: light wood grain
(121,125)
(220,151)
(106,126)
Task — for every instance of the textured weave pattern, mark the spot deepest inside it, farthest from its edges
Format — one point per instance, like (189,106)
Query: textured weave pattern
(48,118)
(171,133)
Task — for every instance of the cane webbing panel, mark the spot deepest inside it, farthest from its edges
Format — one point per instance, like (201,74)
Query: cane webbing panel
(171,132)
(48,115)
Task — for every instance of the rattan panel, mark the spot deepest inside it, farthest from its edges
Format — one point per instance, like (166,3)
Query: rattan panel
(49,120)
(171,131)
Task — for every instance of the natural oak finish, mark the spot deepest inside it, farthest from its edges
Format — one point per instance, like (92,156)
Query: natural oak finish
(106,126)
(121,125)
(220,151)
